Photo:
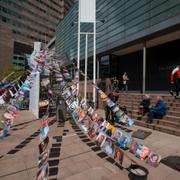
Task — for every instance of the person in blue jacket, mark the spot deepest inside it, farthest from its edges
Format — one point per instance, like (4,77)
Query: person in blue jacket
(157,111)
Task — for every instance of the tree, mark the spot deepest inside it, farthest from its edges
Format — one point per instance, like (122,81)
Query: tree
(10,69)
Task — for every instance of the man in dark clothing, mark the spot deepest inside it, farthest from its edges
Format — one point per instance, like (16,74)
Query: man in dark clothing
(115,82)
(144,105)
(61,111)
(114,95)
(157,111)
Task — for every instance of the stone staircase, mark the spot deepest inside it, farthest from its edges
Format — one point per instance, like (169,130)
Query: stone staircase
(169,124)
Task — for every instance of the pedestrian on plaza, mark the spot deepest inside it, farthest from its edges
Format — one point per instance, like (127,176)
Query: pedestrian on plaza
(61,110)
(175,81)
(125,79)
(114,95)
(144,105)
(115,82)
(157,111)
(108,86)
(102,84)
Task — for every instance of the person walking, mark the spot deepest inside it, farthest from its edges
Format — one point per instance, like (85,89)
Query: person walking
(61,110)
(114,95)
(108,85)
(125,81)
(115,82)
(175,80)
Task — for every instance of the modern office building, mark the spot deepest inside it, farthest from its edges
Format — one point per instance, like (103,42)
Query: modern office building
(22,22)
(68,4)
(141,37)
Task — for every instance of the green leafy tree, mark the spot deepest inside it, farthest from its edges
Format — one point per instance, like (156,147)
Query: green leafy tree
(10,69)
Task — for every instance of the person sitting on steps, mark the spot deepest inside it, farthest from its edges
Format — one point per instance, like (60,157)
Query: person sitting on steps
(157,111)
(144,105)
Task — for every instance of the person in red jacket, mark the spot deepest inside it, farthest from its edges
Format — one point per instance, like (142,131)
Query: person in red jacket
(175,80)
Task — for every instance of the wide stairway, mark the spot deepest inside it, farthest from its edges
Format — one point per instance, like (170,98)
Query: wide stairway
(169,124)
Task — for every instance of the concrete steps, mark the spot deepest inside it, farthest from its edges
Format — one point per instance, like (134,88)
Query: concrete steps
(168,117)
(169,124)
(163,122)
(162,128)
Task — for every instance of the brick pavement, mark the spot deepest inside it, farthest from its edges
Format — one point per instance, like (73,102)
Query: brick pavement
(72,155)
(76,160)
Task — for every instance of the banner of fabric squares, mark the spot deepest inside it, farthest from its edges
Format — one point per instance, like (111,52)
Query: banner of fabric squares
(108,137)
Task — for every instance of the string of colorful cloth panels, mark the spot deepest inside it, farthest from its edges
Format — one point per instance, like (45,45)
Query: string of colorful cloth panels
(120,115)
(107,136)
(15,104)
(16,99)
(44,69)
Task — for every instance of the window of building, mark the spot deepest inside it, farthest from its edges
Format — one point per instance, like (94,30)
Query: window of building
(4,19)
(104,67)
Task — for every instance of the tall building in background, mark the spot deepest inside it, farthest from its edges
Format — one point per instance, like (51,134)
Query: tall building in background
(22,22)
(67,5)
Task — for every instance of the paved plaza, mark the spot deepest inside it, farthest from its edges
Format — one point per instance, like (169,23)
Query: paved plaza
(72,156)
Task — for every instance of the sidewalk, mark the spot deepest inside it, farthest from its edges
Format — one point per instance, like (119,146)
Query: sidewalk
(72,156)
(19,151)
(76,160)
(165,145)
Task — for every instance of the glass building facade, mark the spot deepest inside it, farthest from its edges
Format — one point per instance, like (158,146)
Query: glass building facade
(124,27)
(27,21)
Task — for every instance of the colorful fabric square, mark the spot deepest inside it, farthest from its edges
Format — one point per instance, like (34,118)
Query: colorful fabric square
(153,159)
(108,146)
(112,128)
(82,116)
(118,155)
(1,134)
(124,141)
(43,145)
(43,159)
(144,152)
(104,125)
(133,147)
(110,103)
(67,76)
(117,134)
(115,109)
(75,116)
(129,122)
(100,139)
(8,116)
(43,133)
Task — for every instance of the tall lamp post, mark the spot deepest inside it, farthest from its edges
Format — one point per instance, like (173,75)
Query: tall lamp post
(87,14)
